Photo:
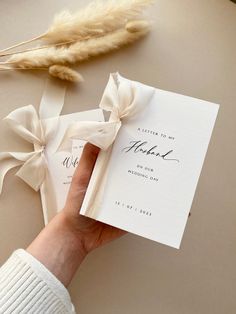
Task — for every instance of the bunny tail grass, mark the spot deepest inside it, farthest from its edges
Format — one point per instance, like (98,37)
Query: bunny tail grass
(77,52)
(97,19)
(65,73)
(58,71)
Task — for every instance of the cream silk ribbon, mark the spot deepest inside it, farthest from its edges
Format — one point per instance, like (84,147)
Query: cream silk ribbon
(124,99)
(27,124)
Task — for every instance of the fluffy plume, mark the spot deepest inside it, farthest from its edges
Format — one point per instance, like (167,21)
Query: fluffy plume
(137,26)
(77,52)
(65,73)
(101,27)
(98,18)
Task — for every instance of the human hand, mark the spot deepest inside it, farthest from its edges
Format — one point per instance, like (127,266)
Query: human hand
(90,233)
(64,243)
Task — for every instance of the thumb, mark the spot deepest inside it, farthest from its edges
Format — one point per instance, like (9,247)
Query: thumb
(81,179)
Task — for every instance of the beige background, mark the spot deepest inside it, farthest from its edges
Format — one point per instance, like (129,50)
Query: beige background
(191,50)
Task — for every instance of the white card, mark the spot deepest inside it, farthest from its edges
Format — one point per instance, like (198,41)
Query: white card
(154,167)
(62,165)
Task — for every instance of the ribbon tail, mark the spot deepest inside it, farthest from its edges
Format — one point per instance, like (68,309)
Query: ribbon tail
(52,100)
(48,199)
(100,134)
(7,162)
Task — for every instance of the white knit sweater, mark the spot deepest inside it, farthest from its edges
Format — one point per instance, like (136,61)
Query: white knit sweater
(28,287)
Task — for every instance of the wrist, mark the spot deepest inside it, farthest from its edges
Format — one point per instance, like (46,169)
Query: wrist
(70,230)
(59,248)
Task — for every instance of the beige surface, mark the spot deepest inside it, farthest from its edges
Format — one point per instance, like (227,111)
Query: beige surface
(191,51)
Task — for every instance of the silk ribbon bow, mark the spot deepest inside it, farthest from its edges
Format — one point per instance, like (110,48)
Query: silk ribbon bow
(27,124)
(124,99)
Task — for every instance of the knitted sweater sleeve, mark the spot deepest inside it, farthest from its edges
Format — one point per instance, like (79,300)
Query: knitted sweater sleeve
(27,286)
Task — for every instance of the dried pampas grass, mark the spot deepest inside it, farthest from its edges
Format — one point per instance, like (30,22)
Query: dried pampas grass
(138,26)
(98,18)
(78,52)
(101,27)
(65,73)
(59,71)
